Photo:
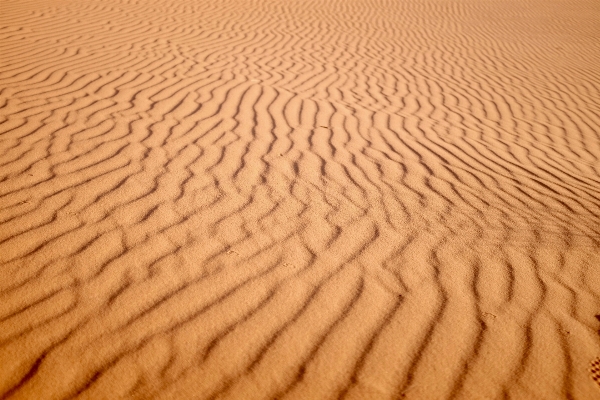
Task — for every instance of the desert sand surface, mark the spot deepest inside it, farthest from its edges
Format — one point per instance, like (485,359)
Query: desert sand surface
(299,199)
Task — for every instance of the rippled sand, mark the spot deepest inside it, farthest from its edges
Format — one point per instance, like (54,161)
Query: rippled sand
(365,199)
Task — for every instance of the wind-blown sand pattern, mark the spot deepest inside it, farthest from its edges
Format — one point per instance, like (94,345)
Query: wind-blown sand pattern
(299,199)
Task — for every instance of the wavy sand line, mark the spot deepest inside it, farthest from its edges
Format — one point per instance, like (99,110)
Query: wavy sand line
(244,199)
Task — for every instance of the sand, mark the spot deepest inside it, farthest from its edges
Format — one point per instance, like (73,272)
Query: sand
(243,199)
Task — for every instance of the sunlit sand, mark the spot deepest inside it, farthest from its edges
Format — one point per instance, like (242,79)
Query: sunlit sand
(360,199)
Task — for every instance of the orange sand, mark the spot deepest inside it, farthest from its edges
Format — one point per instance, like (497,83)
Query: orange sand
(367,199)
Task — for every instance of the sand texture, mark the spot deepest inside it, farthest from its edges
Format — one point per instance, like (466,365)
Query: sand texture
(299,199)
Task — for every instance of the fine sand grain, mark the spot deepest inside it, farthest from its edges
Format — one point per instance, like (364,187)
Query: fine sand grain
(299,199)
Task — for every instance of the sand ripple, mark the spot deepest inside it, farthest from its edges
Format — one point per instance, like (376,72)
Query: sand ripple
(260,199)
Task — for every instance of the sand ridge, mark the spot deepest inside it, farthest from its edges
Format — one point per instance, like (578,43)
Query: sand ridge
(299,199)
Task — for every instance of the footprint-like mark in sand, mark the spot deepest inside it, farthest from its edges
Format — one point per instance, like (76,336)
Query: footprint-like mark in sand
(595,364)
(595,370)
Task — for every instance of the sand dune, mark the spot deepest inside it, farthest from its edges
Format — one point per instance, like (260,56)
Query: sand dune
(246,199)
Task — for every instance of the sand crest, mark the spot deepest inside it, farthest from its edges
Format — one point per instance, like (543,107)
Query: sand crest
(241,199)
